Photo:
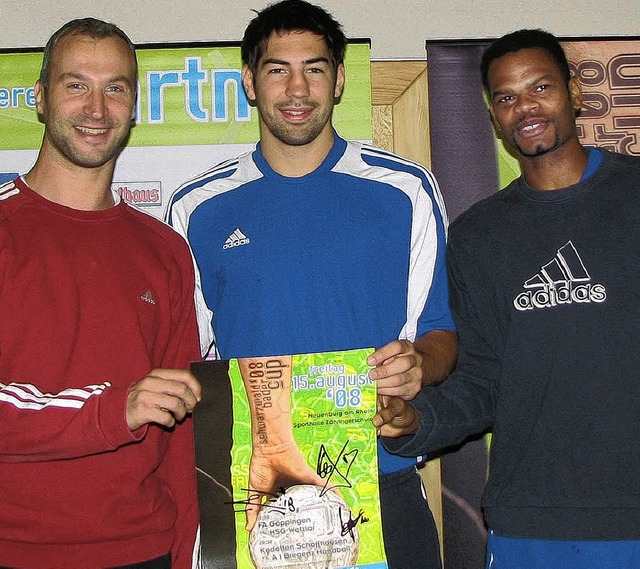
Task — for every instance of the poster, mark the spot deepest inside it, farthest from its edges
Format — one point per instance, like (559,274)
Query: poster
(191,113)
(287,463)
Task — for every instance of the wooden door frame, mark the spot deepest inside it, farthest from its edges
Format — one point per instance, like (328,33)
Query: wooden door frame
(400,113)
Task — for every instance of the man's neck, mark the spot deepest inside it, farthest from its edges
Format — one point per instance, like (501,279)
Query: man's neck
(296,161)
(556,170)
(85,189)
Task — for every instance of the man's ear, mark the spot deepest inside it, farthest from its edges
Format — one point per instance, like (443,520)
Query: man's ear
(494,122)
(340,74)
(38,89)
(247,83)
(575,94)
(134,105)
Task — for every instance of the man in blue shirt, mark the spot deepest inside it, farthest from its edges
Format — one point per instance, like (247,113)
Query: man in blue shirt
(311,243)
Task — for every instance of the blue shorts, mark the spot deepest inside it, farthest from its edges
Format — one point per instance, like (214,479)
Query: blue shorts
(517,553)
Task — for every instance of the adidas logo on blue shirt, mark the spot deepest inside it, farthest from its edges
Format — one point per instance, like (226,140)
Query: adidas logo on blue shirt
(236,239)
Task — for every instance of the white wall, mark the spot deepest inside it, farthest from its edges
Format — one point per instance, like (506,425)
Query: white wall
(398,29)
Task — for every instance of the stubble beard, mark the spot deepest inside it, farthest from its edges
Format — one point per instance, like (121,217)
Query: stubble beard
(292,134)
(292,137)
(539,148)
(63,142)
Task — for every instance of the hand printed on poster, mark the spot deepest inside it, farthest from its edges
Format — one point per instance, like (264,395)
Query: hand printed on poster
(276,461)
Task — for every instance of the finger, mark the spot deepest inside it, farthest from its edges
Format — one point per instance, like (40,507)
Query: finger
(402,381)
(398,418)
(388,409)
(160,416)
(182,376)
(145,407)
(172,387)
(385,352)
(138,416)
(398,366)
(407,391)
(390,431)
(171,404)
(254,500)
(390,351)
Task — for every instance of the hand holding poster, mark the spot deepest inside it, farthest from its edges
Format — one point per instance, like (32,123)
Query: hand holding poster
(287,462)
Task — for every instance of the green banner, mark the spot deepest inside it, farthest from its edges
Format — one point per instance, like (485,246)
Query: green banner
(186,96)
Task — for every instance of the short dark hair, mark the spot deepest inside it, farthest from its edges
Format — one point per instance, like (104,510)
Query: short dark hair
(92,27)
(523,39)
(287,16)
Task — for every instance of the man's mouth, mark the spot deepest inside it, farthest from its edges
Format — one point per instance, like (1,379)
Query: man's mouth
(531,127)
(296,115)
(92,131)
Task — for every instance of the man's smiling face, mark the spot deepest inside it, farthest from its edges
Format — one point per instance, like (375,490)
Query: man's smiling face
(531,104)
(295,86)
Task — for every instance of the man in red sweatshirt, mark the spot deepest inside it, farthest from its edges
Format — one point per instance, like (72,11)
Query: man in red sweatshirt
(98,325)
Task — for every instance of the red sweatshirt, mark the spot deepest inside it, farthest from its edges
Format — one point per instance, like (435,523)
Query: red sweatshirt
(90,302)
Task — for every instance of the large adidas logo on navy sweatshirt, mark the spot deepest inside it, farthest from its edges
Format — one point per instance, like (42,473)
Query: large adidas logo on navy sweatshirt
(563,280)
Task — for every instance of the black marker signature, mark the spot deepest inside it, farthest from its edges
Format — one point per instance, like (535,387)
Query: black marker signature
(336,471)
(255,499)
(347,527)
